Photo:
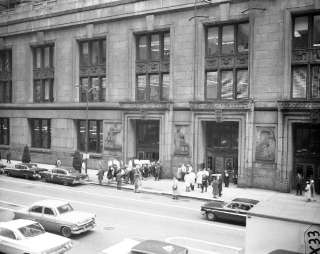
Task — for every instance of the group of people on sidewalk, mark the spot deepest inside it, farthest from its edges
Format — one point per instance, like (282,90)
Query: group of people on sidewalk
(305,185)
(130,174)
(202,180)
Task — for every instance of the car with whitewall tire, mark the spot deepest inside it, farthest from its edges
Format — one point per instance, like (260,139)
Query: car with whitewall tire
(58,216)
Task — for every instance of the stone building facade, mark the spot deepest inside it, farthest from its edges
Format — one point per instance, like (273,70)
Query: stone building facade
(226,84)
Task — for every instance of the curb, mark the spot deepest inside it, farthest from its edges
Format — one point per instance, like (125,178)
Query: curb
(151,192)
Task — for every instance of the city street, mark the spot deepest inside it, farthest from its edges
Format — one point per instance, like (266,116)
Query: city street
(124,214)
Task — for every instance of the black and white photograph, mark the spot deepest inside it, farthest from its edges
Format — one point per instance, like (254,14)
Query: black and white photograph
(160,126)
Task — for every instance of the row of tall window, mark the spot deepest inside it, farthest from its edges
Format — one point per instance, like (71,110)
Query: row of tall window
(226,65)
(40,130)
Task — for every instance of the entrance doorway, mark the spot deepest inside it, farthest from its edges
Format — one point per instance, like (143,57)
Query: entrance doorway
(147,140)
(306,140)
(222,147)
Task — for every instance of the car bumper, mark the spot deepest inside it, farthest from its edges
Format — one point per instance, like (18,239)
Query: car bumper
(82,229)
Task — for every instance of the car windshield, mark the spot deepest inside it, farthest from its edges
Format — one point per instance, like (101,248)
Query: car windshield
(65,208)
(32,230)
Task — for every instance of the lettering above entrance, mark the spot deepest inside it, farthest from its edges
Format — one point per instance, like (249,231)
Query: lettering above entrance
(209,106)
(181,144)
(112,136)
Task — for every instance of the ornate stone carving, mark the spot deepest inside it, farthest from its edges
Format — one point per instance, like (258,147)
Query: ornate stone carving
(265,144)
(227,61)
(98,70)
(165,67)
(315,55)
(242,60)
(181,146)
(112,137)
(154,67)
(141,68)
(44,73)
(315,116)
(300,56)
(298,105)
(212,63)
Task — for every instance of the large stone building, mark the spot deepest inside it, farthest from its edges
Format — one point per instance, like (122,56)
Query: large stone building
(229,84)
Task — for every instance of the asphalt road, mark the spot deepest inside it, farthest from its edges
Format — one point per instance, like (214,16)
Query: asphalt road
(123,214)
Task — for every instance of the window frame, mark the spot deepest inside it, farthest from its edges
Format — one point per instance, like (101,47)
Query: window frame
(41,134)
(43,73)
(86,70)
(149,61)
(219,55)
(307,63)
(6,76)
(99,142)
(4,121)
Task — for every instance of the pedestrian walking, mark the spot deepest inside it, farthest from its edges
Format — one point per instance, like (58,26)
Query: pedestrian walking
(137,179)
(299,181)
(204,184)
(226,178)
(101,172)
(215,186)
(119,179)
(175,188)
(312,190)
(199,178)
(183,171)
(187,182)
(192,179)
(220,185)
(8,157)
(308,192)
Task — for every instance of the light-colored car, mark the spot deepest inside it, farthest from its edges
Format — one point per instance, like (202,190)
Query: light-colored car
(58,216)
(27,236)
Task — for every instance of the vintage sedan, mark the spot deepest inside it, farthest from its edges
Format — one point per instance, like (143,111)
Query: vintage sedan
(27,236)
(132,246)
(234,211)
(58,216)
(63,176)
(25,170)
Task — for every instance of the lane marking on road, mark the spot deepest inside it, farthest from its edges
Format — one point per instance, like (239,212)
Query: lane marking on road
(129,210)
(103,195)
(219,245)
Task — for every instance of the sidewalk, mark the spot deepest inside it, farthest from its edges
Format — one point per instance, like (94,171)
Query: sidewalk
(163,187)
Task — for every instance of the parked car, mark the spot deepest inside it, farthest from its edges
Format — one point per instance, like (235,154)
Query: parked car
(27,236)
(131,246)
(2,166)
(63,176)
(25,170)
(234,211)
(58,216)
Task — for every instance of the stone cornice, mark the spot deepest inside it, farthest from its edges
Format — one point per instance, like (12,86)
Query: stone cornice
(150,106)
(29,23)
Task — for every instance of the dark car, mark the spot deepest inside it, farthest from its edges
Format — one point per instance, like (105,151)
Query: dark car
(2,166)
(63,176)
(25,170)
(234,211)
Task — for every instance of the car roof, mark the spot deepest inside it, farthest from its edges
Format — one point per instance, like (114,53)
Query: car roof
(14,224)
(158,247)
(50,202)
(246,200)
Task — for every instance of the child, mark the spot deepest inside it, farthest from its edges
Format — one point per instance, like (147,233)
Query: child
(308,192)
(175,188)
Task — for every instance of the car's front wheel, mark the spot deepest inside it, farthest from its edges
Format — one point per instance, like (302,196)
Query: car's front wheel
(211,216)
(65,231)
